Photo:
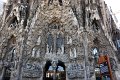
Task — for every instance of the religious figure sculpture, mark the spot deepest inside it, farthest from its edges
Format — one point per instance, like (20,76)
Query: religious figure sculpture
(73,53)
(50,43)
(59,43)
(23,11)
(50,2)
(69,40)
(33,52)
(10,61)
(38,53)
(39,40)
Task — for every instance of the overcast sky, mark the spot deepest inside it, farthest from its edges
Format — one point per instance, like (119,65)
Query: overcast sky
(115,5)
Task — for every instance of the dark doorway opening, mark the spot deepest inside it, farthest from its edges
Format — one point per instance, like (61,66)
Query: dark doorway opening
(54,73)
(7,74)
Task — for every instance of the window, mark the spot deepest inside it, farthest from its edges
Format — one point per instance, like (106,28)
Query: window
(96,41)
(118,43)
(54,26)
(51,1)
(60,2)
(13,22)
(95,51)
(95,25)
(54,70)
(95,54)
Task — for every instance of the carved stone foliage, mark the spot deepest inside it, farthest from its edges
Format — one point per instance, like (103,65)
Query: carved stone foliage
(75,70)
(32,70)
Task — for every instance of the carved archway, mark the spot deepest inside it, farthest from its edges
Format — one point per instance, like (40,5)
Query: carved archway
(54,70)
(55,36)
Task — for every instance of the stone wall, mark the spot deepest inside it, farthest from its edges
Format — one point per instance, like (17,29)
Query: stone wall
(65,31)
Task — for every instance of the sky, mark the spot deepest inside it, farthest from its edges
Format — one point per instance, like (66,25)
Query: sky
(114,4)
(1,5)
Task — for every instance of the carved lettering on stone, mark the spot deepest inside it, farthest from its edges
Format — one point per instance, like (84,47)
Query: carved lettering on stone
(32,70)
(75,70)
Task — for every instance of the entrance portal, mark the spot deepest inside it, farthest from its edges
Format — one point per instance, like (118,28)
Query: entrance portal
(54,71)
(7,74)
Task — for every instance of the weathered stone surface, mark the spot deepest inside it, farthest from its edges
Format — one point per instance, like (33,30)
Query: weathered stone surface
(75,70)
(34,33)
(32,71)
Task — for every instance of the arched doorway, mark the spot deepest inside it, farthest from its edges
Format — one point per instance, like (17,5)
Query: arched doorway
(54,70)
(7,74)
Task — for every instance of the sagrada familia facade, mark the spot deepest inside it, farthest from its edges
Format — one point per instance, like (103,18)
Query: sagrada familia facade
(56,40)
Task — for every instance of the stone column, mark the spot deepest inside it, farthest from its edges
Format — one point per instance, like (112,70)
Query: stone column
(85,44)
(55,37)
(2,74)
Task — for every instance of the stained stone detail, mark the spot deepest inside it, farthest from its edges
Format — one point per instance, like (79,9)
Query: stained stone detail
(75,70)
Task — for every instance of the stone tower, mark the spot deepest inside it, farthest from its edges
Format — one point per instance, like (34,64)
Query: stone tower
(54,39)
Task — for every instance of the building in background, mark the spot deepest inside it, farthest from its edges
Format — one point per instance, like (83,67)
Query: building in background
(58,40)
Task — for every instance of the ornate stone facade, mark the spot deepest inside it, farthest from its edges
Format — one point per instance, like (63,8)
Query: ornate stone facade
(36,33)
